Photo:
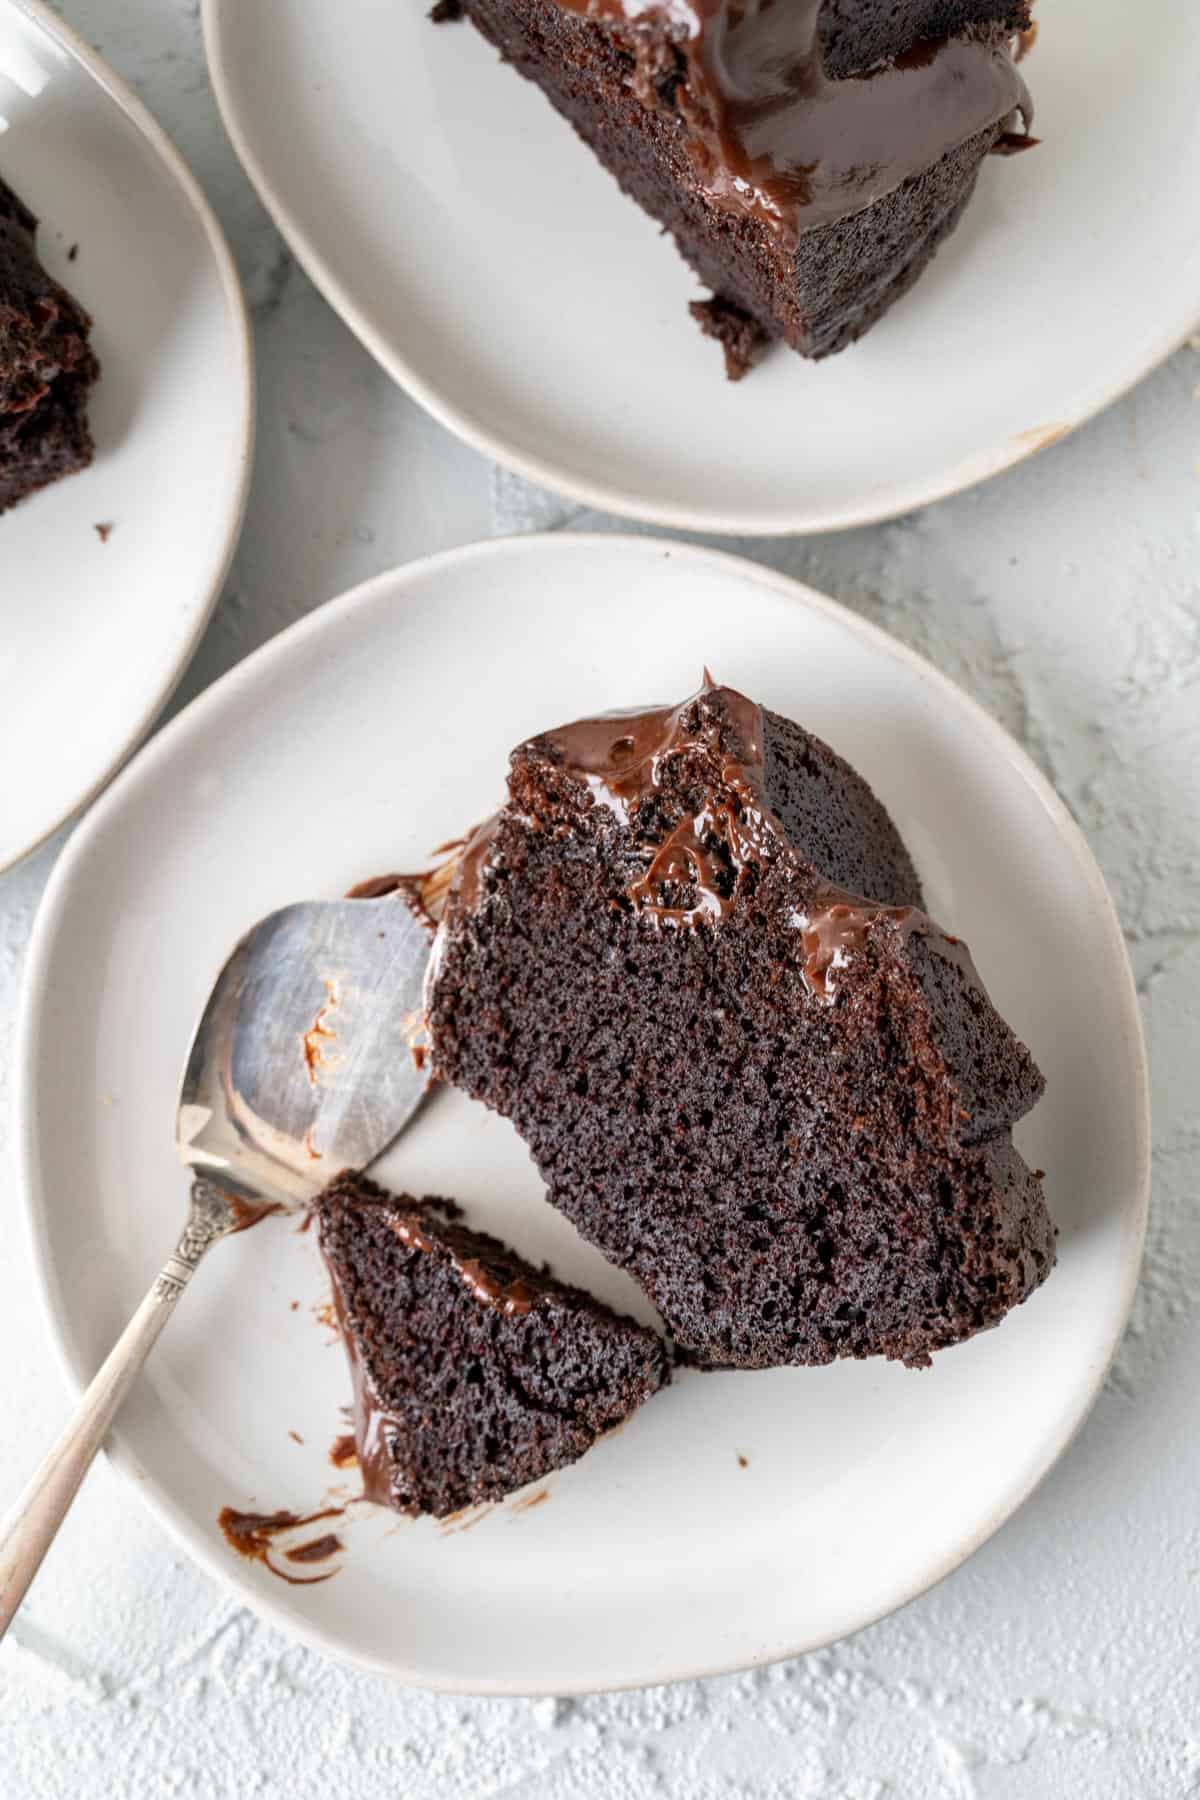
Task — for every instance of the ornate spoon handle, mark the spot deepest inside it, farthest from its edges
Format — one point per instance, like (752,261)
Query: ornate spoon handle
(31,1527)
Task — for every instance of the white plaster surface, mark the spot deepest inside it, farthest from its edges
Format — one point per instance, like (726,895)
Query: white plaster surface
(1064,1659)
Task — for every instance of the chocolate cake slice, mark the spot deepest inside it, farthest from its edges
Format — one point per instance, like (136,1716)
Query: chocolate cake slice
(786,1109)
(46,365)
(808,156)
(473,1373)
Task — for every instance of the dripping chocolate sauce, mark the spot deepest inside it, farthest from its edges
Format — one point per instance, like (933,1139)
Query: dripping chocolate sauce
(623,758)
(423,893)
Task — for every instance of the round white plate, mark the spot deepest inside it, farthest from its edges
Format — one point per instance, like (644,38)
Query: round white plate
(495,269)
(94,634)
(352,744)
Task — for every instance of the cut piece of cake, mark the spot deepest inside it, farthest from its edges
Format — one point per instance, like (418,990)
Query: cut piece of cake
(47,367)
(473,1372)
(784,1108)
(808,156)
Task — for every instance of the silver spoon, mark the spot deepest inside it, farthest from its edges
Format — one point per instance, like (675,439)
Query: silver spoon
(304,1063)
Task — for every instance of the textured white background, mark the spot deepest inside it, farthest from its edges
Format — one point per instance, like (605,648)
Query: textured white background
(1064,1660)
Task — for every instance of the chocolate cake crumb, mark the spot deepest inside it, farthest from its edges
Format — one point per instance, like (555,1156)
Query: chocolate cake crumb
(47,368)
(742,338)
(785,1108)
(474,1373)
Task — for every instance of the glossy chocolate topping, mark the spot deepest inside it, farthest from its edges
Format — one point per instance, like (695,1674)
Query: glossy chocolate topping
(621,755)
(514,1301)
(622,758)
(410,1233)
(772,135)
(839,924)
(423,894)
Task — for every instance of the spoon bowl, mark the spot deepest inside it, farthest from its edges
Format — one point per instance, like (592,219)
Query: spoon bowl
(306,1059)
(305,1062)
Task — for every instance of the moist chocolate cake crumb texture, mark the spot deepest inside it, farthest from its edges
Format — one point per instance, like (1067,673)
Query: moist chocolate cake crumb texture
(46,366)
(473,1372)
(784,1108)
(808,156)
(741,338)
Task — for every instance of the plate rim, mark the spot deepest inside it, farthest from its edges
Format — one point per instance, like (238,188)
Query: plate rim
(1145,355)
(210,582)
(143,769)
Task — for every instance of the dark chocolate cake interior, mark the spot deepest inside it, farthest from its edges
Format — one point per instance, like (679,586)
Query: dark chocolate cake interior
(474,1373)
(689,960)
(47,367)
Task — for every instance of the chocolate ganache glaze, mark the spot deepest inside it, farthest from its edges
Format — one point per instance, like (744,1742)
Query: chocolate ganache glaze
(773,135)
(708,854)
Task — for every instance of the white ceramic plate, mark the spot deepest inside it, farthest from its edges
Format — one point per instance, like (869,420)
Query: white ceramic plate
(496,270)
(94,635)
(355,742)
